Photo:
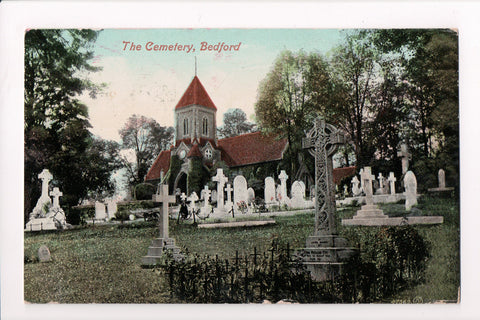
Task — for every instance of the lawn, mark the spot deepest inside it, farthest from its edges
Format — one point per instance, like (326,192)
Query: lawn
(101,264)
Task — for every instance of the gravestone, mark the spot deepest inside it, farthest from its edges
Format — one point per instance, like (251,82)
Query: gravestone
(405,155)
(369,210)
(391,181)
(325,252)
(361,181)
(220,179)
(163,243)
(283,199)
(111,209)
(251,195)
(356,189)
(44,254)
(45,215)
(239,191)
(214,198)
(410,182)
(442,186)
(206,196)
(298,195)
(193,199)
(270,190)
(381,184)
(229,203)
(100,213)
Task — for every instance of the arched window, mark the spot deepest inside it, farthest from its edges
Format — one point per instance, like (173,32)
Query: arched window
(185,126)
(205,126)
(208,154)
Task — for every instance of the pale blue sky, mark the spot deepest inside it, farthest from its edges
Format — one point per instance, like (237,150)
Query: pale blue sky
(150,83)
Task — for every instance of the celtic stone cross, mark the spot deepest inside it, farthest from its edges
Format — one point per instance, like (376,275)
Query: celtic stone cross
(322,142)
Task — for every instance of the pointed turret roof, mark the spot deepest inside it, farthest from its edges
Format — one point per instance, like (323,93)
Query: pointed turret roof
(195,94)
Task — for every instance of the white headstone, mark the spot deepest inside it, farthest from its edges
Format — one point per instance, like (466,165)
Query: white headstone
(100,213)
(240,190)
(56,194)
(391,180)
(206,196)
(356,189)
(221,179)
(251,195)
(283,187)
(193,198)
(410,182)
(361,181)
(298,195)
(44,254)
(269,190)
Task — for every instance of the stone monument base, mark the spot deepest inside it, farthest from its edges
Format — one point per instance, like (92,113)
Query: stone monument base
(40,224)
(397,221)
(158,248)
(370,211)
(441,189)
(325,256)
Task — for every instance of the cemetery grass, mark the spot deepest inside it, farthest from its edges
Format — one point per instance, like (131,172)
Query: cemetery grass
(101,264)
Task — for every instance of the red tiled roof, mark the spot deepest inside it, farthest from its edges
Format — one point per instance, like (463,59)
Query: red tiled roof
(340,173)
(195,94)
(251,148)
(194,152)
(162,162)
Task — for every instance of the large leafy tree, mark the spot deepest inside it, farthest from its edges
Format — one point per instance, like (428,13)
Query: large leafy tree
(235,123)
(145,138)
(56,122)
(293,93)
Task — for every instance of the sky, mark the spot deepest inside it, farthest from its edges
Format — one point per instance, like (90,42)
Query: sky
(142,81)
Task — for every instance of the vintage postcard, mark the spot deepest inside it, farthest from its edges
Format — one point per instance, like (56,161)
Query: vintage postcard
(173,164)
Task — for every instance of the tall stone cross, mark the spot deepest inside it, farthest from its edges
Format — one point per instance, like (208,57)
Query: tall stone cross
(220,178)
(367,178)
(229,190)
(392,179)
(322,142)
(405,155)
(165,199)
(45,176)
(283,186)
(56,194)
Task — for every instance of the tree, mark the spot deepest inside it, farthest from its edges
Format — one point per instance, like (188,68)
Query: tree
(146,138)
(235,123)
(56,122)
(293,93)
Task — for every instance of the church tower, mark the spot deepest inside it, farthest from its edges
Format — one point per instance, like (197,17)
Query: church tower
(195,115)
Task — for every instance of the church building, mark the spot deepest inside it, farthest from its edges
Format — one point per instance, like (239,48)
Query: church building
(196,141)
(192,160)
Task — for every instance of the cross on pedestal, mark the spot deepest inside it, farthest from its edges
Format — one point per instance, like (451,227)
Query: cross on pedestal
(221,179)
(46,177)
(165,199)
(322,142)
(405,155)
(367,178)
(283,186)
(229,190)
(56,194)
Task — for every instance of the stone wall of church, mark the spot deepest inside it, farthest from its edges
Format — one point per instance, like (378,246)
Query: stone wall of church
(195,121)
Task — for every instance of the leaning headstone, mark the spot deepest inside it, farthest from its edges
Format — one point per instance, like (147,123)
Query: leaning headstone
(100,213)
(163,243)
(239,190)
(410,182)
(325,252)
(44,254)
(356,189)
(270,190)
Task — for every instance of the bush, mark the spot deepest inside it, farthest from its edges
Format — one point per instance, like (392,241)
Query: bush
(144,191)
